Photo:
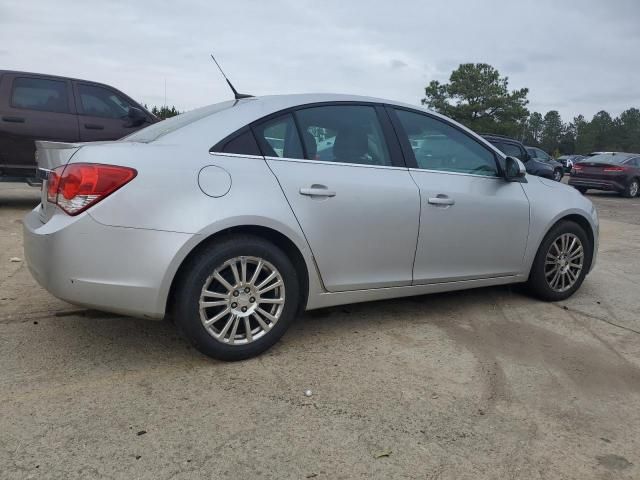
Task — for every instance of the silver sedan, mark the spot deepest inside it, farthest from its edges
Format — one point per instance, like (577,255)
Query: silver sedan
(235,217)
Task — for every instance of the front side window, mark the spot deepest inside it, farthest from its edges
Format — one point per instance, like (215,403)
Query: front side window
(40,94)
(102,102)
(437,145)
(344,134)
(279,138)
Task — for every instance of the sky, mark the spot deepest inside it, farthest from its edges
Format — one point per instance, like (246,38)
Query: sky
(574,56)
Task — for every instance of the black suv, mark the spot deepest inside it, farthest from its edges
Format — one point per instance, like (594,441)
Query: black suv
(514,148)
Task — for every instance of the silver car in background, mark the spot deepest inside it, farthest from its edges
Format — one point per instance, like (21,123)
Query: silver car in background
(235,217)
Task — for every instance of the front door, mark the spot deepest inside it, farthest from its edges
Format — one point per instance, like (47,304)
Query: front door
(357,205)
(103,113)
(473,223)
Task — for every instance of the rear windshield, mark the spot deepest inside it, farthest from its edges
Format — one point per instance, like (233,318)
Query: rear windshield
(157,130)
(618,158)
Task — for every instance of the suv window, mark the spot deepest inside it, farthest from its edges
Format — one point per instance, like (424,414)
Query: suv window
(343,133)
(511,150)
(440,146)
(102,102)
(279,138)
(40,94)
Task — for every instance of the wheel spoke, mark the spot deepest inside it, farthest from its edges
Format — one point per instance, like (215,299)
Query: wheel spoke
(257,271)
(243,270)
(270,277)
(225,329)
(270,287)
(217,317)
(210,294)
(261,322)
(221,279)
(247,330)
(217,303)
(234,329)
(276,301)
(234,270)
(267,315)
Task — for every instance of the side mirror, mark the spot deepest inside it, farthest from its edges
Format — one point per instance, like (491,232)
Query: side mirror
(514,170)
(136,117)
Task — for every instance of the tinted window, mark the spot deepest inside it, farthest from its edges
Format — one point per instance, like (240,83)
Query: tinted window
(512,150)
(243,144)
(609,158)
(279,138)
(40,94)
(343,133)
(439,146)
(102,102)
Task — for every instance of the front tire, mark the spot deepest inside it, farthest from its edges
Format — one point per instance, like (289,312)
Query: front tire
(632,189)
(582,190)
(562,262)
(237,297)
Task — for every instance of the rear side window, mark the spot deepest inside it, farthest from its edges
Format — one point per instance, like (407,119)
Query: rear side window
(40,94)
(343,133)
(279,138)
(242,144)
(437,145)
(102,102)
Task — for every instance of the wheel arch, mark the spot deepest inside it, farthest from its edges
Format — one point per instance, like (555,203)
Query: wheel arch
(282,241)
(584,223)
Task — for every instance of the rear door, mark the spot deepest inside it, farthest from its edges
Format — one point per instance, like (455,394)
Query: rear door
(102,113)
(350,191)
(33,108)
(473,223)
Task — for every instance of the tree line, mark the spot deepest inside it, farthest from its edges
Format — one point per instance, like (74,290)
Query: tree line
(479,98)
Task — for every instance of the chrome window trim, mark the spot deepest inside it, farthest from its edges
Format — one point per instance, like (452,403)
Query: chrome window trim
(325,162)
(225,154)
(447,172)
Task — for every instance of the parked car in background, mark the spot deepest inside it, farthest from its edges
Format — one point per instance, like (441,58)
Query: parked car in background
(46,107)
(226,219)
(542,156)
(618,172)
(514,148)
(568,161)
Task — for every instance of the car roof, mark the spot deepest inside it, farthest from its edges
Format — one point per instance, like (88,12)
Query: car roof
(47,75)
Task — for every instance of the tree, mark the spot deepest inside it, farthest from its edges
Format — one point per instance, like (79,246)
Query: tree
(164,112)
(629,135)
(551,131)
(479,98)
(533,131)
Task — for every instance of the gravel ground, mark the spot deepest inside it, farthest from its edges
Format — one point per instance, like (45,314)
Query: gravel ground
(486,383)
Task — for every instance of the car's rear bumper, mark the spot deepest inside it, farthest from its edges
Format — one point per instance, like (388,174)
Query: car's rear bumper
(108,268)
(597,184)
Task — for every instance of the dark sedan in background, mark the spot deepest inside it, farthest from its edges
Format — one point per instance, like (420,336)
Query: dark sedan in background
(618,172)
(515,148)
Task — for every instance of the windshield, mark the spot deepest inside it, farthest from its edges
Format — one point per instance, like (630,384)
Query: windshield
(157,130)
(618,158)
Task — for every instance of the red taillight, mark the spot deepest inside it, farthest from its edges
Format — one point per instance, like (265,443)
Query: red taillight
(613,169)
(78,186)
(577,168)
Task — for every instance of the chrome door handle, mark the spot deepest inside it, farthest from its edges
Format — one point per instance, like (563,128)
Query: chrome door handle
(317,191)
(441,200)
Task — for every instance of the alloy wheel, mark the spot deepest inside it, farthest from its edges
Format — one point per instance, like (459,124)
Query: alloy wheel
(242,300)
(564,262)
(557,175)
(633,188)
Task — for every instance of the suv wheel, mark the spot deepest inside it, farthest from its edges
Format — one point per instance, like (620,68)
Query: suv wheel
(562,262)
(237,298)
(557,174)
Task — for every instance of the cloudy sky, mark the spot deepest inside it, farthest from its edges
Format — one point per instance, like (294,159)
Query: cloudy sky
(574,56)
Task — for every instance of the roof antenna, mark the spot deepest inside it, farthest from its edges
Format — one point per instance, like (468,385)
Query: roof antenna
(237,95)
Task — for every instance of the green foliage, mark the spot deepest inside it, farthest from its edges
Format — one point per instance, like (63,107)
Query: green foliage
(479,98)
(164,111)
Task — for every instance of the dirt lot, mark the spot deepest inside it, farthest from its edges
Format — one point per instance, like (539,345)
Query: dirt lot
(480,384)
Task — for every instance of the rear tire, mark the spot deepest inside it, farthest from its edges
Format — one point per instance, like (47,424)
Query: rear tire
(557,174)
(582,190)
(558,270)
(632,189)
(253,312)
